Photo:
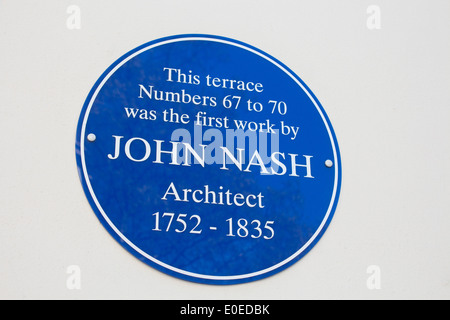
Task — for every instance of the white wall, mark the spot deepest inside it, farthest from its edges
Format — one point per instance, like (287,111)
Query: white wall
(386,92)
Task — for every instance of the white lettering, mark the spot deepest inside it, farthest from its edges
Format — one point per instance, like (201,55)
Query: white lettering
(138,149)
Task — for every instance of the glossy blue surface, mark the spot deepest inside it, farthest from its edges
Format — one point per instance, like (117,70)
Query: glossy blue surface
(246,237)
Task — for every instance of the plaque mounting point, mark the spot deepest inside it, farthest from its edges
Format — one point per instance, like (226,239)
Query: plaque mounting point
(91,137)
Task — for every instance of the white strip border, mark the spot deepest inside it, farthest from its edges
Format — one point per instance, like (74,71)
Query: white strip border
(132,245)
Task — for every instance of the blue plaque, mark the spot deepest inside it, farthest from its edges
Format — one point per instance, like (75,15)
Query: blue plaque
(208,159)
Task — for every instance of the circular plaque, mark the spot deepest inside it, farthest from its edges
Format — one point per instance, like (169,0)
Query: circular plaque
(208,159)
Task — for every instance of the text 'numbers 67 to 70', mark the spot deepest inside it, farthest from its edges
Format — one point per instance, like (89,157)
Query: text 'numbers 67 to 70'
(242,228)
